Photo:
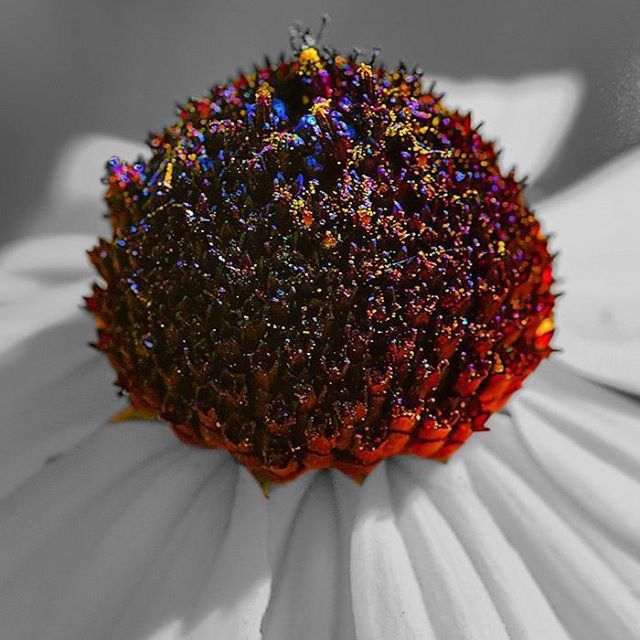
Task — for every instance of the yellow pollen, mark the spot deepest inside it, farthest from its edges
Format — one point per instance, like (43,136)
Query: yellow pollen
(310,61)
(321,107)
(264,91)
(545,326)
(168,175)
(365,70)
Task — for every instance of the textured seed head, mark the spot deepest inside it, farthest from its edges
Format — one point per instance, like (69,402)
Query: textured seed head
(321,266)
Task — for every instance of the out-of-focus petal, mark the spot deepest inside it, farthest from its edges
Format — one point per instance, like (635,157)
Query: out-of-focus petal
(44,307)
(50,258)
(528,117)
(54,392)
(597,226)
(73,202)
(52,386)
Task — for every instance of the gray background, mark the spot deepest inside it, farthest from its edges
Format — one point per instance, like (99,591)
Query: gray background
(72,67)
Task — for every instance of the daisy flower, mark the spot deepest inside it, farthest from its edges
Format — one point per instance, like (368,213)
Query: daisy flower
(531,530)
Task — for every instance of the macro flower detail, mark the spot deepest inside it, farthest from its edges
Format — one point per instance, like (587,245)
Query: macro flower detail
(321,265)
(119,531)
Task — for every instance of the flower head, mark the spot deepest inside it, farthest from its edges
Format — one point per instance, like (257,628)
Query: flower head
(321,266)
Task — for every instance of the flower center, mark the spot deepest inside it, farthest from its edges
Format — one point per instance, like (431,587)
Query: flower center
(321,266)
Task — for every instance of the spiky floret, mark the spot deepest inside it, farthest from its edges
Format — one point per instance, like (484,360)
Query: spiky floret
(321,266)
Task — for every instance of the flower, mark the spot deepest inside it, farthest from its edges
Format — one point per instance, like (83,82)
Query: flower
(529,531)
(320,265)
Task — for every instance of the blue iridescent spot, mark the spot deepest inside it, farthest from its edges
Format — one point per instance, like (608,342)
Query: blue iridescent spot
(312,163)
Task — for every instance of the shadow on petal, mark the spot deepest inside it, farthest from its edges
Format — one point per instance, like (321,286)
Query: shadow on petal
(54,391)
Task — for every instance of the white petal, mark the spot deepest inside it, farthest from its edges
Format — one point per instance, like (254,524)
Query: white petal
(67,487)
(588,469)
(54,392)
(74,200)
(163,604)
(458,603)
(305,598)
(44,307)
(580,421)
(48,259)
(604,421)
(515,594)
(110,560)
(15,287)
(590,599)
(597,227)
(233,602)
(528,118)
(607,493)
(115,552)
(64,553)
(387,598)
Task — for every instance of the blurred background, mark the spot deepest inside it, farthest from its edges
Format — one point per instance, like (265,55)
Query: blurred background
(71,67)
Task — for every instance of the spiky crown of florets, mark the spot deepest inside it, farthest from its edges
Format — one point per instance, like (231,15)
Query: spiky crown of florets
(321,266)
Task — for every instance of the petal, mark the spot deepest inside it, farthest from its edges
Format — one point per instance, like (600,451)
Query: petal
(54,392)
(163,603)
(68,486)
(529,118)
(597,225)
(48,259)
(591,599)
(458,602)
(603,421)
(32,266)
(515,594)
(14,287)
(74,201)
(584,456)
(54,525)
(128,535)
(233,602)
(387,598)
(309,540)
(43,308)
(306,590)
